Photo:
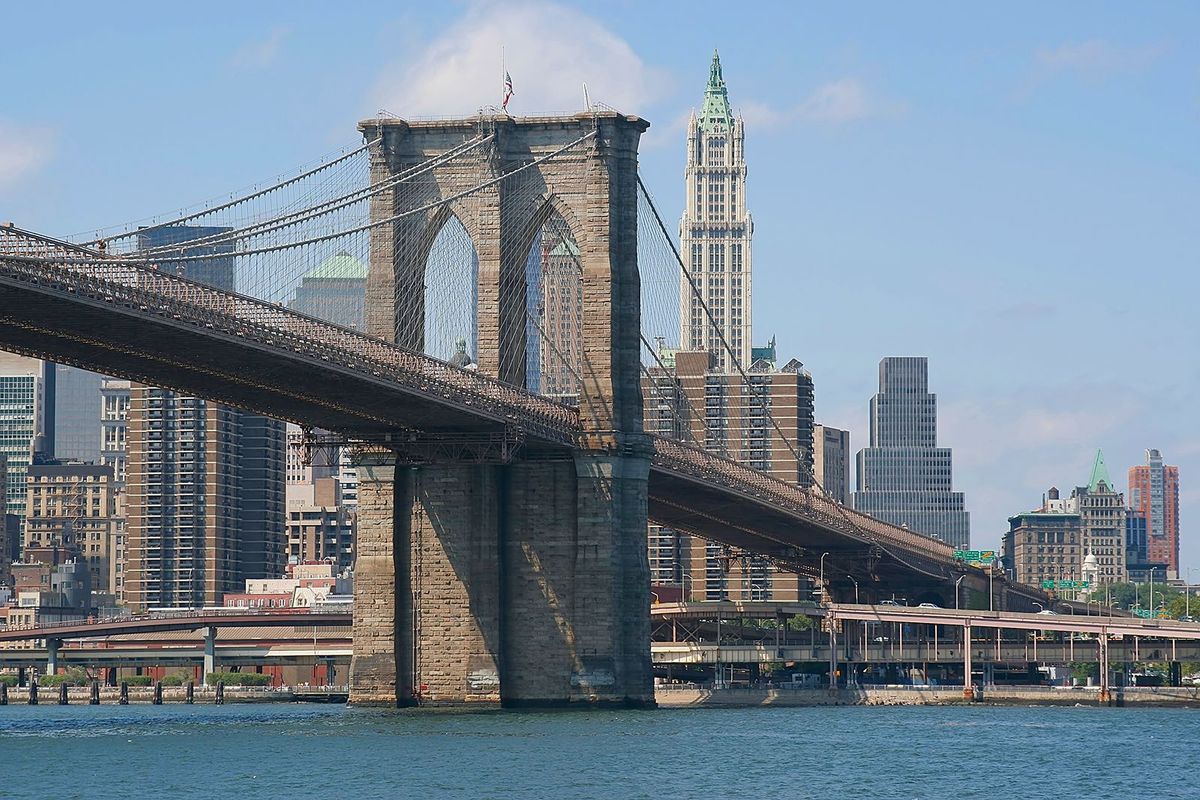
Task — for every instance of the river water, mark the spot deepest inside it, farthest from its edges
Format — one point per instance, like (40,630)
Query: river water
(247,752)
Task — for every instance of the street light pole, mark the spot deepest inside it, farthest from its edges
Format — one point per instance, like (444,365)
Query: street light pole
(851,577)
(956,583)
(1187,592)
(823,570)
(683,576)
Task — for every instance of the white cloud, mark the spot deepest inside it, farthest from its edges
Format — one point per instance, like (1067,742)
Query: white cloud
(1094,57)
(549,50)
(842,100)
(761,115)
(263,52)
(838,102)
(22,151)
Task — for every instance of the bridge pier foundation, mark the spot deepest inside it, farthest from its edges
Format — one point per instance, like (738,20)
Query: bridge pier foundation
(521,585)
(381,666)
(576,583)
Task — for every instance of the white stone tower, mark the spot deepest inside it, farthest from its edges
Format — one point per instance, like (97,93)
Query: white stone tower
(716,229)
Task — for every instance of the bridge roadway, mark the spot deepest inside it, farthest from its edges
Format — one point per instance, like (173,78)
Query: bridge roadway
(56,299)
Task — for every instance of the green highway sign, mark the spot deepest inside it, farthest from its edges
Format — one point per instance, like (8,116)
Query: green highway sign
(978,557)
(1050,584)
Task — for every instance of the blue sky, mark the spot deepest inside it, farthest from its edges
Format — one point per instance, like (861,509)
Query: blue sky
(1012,190)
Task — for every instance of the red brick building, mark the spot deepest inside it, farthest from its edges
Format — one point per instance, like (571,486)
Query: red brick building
(1154,491)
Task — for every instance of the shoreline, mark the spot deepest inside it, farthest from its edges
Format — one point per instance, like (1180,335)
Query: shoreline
(682,698)
(1176,697)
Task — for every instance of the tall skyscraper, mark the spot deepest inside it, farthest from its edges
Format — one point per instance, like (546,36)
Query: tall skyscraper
(205,499)
(1154,492)
(26,421)
(903,476)
(761,414)
(76,414)
(716,230)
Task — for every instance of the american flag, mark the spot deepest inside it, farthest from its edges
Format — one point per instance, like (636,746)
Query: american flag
(508,91)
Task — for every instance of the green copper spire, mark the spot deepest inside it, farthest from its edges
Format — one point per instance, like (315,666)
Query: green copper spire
(1099,473)
(716,114)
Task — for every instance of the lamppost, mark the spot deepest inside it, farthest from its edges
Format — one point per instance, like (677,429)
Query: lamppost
(1039,605)
(991,591)
(823,570)
(1151,601)
(851,577)
(1187,592)
(956,583)
(683,576)
(1162,603)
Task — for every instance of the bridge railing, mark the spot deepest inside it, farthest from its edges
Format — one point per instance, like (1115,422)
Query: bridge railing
(716,470)
(149,291)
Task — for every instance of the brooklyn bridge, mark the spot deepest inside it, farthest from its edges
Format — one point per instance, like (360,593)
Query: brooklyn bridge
(495,403)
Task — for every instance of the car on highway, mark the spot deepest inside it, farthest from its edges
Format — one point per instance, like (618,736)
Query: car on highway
(928,605)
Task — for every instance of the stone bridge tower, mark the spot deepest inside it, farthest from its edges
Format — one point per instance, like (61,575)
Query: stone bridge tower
(526,582)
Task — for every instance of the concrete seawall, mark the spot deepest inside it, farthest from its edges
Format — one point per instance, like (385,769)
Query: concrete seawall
(924,696)
(111,695)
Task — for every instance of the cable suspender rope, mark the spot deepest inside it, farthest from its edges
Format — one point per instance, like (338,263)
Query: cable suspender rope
(238,201)
(321,209)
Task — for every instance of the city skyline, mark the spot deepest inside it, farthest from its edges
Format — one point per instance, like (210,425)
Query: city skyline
(1019,410)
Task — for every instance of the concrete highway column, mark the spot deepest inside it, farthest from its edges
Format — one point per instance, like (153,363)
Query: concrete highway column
(968,686)
(52,656)
(832,654)
(381,667)
(1104,690)
(210,653)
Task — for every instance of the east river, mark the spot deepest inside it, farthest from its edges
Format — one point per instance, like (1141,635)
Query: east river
(246,752)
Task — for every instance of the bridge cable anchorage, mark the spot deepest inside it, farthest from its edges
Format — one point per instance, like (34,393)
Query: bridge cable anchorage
(866,528)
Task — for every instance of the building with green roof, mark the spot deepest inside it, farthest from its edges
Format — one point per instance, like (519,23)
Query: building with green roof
(336,291)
